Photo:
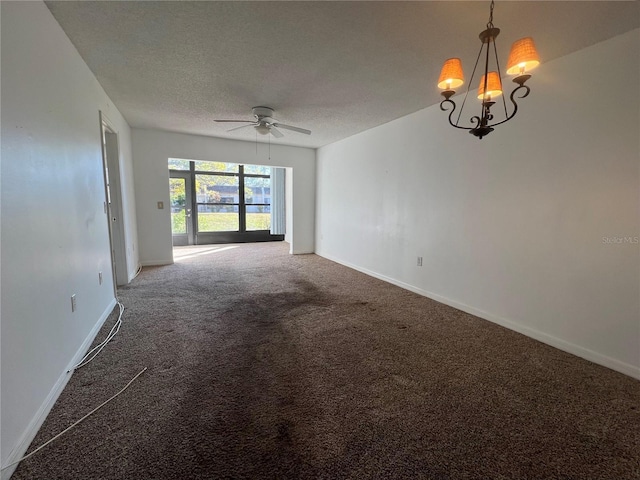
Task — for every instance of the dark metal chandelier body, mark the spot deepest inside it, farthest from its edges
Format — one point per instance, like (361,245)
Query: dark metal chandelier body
(523,57)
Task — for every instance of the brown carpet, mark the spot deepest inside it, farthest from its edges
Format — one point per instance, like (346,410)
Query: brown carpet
(264,365)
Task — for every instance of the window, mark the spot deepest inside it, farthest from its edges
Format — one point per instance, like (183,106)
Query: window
(228,199)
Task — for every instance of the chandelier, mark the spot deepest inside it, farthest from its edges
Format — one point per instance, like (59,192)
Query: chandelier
(522,59)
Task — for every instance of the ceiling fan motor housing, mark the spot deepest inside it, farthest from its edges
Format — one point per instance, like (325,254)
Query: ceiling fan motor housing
(262,112)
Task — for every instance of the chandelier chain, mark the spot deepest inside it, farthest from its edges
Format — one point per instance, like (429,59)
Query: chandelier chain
(490,23)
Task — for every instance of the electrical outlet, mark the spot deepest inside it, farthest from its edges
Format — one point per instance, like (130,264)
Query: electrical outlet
(100,278)
(73,303)
(419,261)
(160,205)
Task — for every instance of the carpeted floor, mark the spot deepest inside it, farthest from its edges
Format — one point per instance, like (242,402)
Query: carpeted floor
(263,365)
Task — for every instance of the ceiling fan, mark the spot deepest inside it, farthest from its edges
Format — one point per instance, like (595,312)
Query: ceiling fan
(264,123)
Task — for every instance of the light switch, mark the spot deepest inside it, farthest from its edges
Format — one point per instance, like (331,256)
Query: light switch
(160,205)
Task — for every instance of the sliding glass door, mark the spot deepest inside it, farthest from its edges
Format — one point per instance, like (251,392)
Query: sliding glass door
(181,208)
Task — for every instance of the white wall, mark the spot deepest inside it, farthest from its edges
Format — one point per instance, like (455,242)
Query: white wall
(151,151)
(54,229)
(511,227)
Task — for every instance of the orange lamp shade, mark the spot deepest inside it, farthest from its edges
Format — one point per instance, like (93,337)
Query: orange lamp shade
(523,56)
(451,75)
(494,87)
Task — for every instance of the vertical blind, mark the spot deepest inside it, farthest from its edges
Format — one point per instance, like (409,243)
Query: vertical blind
(277,201)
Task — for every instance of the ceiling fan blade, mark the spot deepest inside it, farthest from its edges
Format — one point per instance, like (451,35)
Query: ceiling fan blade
(234,121)
(242,126)
(295,129)
(275,132)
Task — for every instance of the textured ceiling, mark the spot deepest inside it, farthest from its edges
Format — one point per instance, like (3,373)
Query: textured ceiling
(336,68)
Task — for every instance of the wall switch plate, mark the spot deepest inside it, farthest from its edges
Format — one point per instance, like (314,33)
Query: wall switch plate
(419,261)
(100,278)
(160,205)
(73,302)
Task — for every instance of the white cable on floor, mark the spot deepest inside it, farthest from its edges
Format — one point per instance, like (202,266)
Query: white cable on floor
(77,422)
(137,271)
(98,348)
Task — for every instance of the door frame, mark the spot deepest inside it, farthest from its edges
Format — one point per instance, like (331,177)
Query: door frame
(110,147)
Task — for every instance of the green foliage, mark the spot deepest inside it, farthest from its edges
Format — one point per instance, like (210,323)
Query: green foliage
(258,221)
(178,164)
(205,185)
(228,222)
(248,195)
(221,222)
(178,200)
(202,166)
(178,224)
(177,192)
(218,222)
(257,169)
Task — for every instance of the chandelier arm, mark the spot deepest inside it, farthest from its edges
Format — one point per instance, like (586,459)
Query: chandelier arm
(486,70)
(469,84)
(444,109)
(515,104)
(495,51)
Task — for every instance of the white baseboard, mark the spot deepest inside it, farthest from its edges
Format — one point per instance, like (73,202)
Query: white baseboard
(156,263)
(558,343)
(38,419)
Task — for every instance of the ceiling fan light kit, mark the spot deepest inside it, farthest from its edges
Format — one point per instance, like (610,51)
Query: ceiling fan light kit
(262,129)
(522,59)
(265,124)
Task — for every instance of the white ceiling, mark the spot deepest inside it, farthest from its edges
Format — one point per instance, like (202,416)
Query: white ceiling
(336,68)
